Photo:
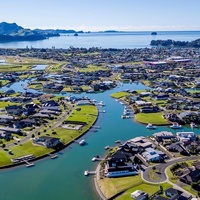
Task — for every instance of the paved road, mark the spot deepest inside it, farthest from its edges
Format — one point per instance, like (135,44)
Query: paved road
(163,174)
(162,169)
(56,123)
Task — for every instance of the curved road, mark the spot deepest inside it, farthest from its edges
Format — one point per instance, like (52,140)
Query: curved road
(162,169)
(163,174)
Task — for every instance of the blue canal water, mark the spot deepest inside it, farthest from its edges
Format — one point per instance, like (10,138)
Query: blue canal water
(39,67)
(137,39)
(63,178)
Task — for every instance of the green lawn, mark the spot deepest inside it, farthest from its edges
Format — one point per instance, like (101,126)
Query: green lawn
(145,187)
(13,68)
(24,149)
(91,68)
(111,186)
(119,95)
(87,114)
(4,104)
(151,118)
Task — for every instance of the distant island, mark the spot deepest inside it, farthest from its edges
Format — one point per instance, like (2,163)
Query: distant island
(172,43)
(154,33)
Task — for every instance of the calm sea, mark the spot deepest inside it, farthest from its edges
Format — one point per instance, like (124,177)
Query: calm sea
(120,40)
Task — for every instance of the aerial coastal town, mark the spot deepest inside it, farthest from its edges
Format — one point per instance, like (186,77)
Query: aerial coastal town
(47,111)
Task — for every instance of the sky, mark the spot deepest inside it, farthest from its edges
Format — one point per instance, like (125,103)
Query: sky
(100,15)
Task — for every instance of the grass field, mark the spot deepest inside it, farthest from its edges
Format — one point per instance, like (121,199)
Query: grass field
(88,114)
(91,68)
(112,186)
(148,188)
(151,118)
(14,68)
(119,95)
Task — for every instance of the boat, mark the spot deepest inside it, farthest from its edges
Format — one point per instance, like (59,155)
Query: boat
(106,147)
(176,126)
(86,173)
(94,100)
(93,159)
(125,117)
(101,103)
(82,142)
(53,156)
(193,125)
(150,126)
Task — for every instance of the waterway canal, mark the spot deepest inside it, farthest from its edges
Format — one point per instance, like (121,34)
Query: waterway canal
(62,178)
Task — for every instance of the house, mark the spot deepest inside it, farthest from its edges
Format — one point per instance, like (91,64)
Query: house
(152,155)
(186,136)
(193,176)
(163,135)
(139,195)
(177,147)
(117,159)
(28,122)
(49,142)
(11,130)
(14,110)
(161,97)
(171,192)
(6,119)
(143,103)
(5,135)
(148,109)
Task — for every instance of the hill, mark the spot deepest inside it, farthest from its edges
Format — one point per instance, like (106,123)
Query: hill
(172,43)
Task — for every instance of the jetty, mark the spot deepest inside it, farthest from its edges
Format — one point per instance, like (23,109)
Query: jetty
(87,173)
(28,164)
(97,158)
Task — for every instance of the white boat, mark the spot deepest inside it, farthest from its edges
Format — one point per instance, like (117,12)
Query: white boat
(94,100)
(53,156)
(86,173)
(150,126)
(101,103)
(176,126)
(82,142)
(125,117)
(193,125)
(106,147)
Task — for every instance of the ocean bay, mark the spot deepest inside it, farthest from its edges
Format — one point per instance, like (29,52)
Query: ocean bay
(140,39)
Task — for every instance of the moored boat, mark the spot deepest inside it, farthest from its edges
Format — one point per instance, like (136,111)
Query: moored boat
(176,126)
(193,125)
(150,126)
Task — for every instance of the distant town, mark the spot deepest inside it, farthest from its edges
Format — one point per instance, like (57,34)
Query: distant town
(43,114)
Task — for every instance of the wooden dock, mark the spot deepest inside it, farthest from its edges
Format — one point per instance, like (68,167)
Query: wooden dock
(28,164)
(87,173)
(97,159)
